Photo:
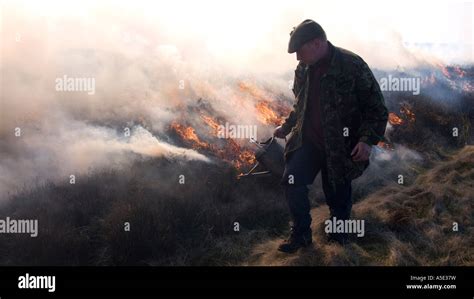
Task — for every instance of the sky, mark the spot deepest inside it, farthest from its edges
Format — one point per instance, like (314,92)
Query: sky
(245,33)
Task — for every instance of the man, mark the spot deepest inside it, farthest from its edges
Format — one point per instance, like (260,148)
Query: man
(338,115)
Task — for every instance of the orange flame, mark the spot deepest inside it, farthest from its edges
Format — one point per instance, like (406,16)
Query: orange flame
(266,113)
(241,158)
(247,157)
(231,152)
(211,123)
(188,134)
(394,120)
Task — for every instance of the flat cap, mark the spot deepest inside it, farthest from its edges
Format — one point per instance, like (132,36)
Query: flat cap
(303,33)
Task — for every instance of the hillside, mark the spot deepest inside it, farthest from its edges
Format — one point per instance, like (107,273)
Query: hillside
(404,226)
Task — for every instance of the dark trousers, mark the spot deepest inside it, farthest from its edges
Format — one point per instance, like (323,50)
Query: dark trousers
(301,168)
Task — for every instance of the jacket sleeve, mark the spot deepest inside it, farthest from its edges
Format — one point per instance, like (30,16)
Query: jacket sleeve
(372,106)
(298,84)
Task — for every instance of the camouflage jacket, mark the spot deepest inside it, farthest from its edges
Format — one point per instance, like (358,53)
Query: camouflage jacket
(352,110)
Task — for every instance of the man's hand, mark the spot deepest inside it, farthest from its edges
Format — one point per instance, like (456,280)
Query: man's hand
(361,152)
(279,132)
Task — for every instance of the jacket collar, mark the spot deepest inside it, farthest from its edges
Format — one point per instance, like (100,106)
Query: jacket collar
(335,65)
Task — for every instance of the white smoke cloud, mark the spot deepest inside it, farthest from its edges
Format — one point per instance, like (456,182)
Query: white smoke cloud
(75,148)
(140,52)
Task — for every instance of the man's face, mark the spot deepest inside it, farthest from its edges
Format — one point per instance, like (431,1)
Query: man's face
(310,52)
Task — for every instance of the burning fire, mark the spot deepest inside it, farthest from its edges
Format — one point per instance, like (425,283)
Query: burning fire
(406,113)
(230,151)
(237,156)
(455,76)
(266,115)
(269,112)
(211,123)
(247,156)
(244,159)
(188,134)
(394,120)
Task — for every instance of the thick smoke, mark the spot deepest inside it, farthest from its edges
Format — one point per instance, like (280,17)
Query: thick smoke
(150,60)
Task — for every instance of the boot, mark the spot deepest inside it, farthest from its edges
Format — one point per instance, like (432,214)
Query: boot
(296,241)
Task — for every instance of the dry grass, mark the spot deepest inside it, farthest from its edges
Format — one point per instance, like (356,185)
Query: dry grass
(171,224)
(404,225)
(192,224)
